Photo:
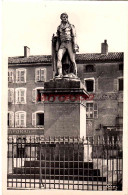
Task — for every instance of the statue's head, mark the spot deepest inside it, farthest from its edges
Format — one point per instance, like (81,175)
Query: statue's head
(64,17)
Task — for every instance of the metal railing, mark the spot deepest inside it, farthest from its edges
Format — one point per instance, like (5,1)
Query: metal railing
(64,163)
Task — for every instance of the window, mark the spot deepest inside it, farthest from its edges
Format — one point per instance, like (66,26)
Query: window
(37,95)
(120,109)
(38,119)
(20,119)
(10,119)
(20,95)
(21,148)
(10,76)
(89,68)
(120,84)
(89,83)
(20,75)
(10,95)
(89,127)
(40,74)
(120,66)
(91,110)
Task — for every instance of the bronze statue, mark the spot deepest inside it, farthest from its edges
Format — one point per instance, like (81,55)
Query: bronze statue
(64,47)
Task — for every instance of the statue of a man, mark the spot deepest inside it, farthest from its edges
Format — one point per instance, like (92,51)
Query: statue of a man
(66,42)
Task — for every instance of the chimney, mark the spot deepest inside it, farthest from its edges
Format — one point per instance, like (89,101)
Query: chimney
(26,51)
(104,47)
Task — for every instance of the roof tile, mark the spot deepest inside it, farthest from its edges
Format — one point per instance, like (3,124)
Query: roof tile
(79,57)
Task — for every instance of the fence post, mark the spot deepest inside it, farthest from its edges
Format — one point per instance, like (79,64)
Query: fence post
(40,164)
(87,150)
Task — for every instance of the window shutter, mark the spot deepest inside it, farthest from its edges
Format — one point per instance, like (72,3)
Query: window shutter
(22,73)
(95,110)
(34,119)
(37,74)
(96,85)
(42,74)
(17,75)
(89,127)
(11,119)
(87,110)
(22,119)
(17,120)
(34,94)
(10,76)
(22,94)
(115,84)
(18,96)
(25,75)
(11,95)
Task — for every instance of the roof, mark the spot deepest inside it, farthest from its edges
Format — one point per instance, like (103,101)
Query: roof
(87,57)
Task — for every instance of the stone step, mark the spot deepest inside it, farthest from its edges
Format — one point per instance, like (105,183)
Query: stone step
(56,171)
(61,164)
(61,158)
(57,177)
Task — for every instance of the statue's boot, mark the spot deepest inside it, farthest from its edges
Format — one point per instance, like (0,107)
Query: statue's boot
(74,69)
(59,73)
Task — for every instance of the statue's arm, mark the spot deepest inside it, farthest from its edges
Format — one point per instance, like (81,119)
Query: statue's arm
(57,40)
(73,34)
(75,46)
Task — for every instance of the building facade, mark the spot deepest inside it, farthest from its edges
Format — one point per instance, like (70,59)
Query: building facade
(101,73)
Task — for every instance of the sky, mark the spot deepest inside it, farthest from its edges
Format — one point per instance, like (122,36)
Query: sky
(32,24)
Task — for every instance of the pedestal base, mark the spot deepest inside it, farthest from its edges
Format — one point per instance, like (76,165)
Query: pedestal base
(65,108)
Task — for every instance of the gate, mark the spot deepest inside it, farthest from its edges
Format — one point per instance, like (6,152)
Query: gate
(65,163)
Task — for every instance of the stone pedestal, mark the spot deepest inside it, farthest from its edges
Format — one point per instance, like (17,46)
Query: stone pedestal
(64,108)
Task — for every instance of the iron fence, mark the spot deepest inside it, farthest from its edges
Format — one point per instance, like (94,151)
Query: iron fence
(64,163)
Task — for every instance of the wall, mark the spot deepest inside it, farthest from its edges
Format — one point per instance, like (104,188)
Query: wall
(30,84)
(105,95)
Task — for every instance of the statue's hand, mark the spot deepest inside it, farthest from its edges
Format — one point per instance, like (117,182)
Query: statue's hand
(76,48)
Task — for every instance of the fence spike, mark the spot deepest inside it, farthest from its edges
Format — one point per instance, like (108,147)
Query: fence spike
(113,140)
(98,139)
(103,140)
(108,140)
(83,139)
